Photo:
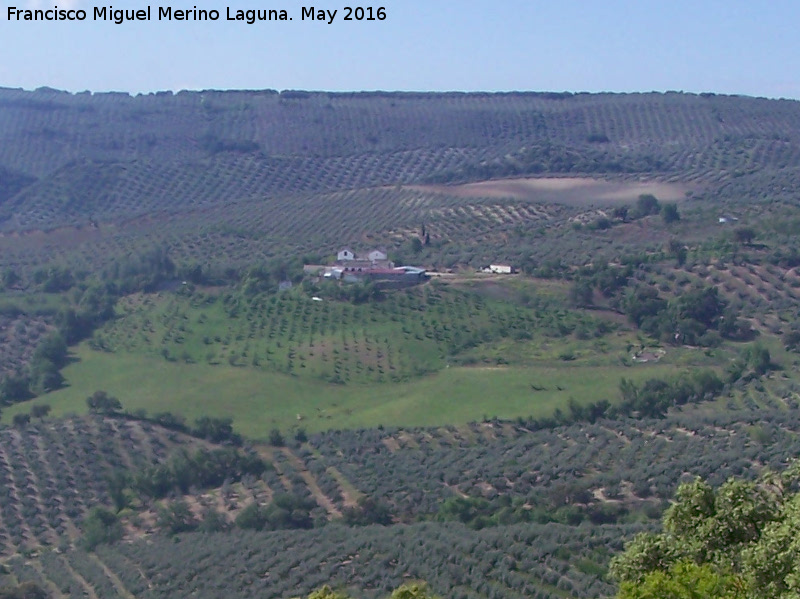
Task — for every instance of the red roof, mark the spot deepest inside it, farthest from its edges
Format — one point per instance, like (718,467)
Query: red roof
(374,271)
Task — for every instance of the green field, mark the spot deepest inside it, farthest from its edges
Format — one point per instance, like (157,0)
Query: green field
(259,401)
(433,355)
(400,337)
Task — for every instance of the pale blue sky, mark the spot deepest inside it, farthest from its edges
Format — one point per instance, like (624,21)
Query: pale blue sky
(729,46)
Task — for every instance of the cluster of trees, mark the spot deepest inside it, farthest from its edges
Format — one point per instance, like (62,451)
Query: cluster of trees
(177,517)
(368,511)
(100,402)
(214,430)
(55,278)
(14,387)
(696,317)
(201,470)
(101,526)
(266,277)
(26,590)
(575,413)
(38,411)
(182,473)
(50,356)
(655,396)
(92,306)
(104,527)
(9,279)
(416,590)
(286,511)
(608,280)
(90,303)
(42,374)
(215,145)
(739,541)
(142,271)
(570,504)
(646,205)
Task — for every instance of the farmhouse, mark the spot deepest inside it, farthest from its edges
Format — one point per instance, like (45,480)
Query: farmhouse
(374,266)
(377,258)
(345,254)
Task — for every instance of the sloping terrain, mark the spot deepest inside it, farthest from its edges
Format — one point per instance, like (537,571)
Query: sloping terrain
(486,510)
(53,472)
(73,159)
(146,247)
(228,178)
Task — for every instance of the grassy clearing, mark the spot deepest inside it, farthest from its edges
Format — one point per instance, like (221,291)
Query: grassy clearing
(259,401)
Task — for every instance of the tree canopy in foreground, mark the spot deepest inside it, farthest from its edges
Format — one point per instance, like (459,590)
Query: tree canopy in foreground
(741,540)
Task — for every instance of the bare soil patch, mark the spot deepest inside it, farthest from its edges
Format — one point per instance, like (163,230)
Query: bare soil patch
(563,190)
(320,497)
(350,495)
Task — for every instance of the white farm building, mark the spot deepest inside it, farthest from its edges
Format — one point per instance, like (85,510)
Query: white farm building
(345,254)
(499,269)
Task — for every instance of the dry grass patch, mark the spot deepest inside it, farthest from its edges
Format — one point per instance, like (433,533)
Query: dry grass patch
(578,191)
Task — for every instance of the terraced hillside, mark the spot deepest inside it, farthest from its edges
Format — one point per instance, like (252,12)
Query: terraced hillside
(220,181)
(585,471)
(53,472)
(492,509)
(56,471)
(509,562)
(146,244)
(222,176)
(52,129)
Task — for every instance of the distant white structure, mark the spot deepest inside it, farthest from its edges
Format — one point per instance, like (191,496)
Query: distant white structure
(332,273)
(499,269)
(377,256)
(345,254)
(374,259)
(374,266)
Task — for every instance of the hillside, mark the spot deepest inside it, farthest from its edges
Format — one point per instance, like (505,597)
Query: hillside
(263,173)
(533,512)
(277,430)
(110,194)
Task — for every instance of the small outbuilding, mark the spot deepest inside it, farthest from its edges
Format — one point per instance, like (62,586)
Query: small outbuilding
(499,269)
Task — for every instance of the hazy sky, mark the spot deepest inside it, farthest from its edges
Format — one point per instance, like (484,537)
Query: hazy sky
(725,46)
